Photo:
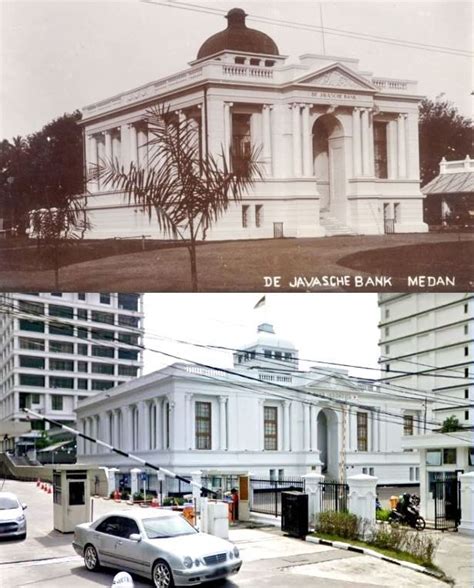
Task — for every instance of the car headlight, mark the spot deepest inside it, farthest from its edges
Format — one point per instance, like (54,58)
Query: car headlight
(197,562)
(231,555)
(20,519)
(188,562)
(236,551)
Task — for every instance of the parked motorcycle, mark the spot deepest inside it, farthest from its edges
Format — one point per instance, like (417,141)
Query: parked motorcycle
(406,512)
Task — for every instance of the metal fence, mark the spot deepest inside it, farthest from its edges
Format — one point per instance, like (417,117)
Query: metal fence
(266,493)
(334,496)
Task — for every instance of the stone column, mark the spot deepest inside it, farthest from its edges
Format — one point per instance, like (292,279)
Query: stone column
(227,128)
(128,426)
(467,504)
(401,140)
(142,144)
(307,143)
(117,441)
(116,145)
(392,149)
(365,142)
(356,143)
(188,422)
(92,161)
(306,427)
(134,481)
(158,423)
(296,140)
(286,425)
(371,144)
(314,428)
(143,425)
(222,423)
(133,154)
(362,494)
(125,145)
(267,138)
(313,490)
(108,145)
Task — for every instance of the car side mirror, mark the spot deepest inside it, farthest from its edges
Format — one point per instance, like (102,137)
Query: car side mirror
(135,537)
(24,506)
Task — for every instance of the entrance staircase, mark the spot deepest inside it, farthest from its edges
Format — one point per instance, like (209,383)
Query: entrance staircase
(333,226)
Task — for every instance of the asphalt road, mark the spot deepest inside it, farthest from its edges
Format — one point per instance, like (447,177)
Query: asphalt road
(46,558)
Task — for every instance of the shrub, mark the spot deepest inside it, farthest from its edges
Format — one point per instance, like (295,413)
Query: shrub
(382,514)
(343,524)
(173,501)
(417,543)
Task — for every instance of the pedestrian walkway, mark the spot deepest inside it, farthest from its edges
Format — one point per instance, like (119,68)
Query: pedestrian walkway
(455,556)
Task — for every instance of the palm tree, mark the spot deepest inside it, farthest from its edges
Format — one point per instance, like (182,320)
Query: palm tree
(183,189)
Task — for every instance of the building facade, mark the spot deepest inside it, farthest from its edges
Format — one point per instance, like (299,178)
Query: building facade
(426,345)
(338,145)
(59,348)
(263,416)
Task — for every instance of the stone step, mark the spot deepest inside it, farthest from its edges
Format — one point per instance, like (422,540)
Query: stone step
(333,226)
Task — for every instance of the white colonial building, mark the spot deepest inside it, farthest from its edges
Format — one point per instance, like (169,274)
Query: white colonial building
(263,416)
(339,146)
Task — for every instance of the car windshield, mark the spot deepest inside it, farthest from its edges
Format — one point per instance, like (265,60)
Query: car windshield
(8,503)
(167,527)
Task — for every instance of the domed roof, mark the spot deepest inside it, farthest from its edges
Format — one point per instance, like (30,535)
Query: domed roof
(266,337)
(237,37)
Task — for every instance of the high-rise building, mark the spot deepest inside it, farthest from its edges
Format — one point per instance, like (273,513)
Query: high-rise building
(426,344)
(59,348)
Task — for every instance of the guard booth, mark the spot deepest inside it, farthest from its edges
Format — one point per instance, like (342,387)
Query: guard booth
(71,498)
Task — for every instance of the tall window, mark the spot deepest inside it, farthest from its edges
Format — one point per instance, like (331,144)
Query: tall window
(203,425)
(56,402)
(258,215)
(241,142)
(362,431)
(245,216)
(408,424)
(270,428)
(380,149)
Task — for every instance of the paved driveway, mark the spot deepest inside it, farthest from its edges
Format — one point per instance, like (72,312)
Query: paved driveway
(47,560)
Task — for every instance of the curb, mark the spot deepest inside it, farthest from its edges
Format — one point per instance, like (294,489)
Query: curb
(373,553)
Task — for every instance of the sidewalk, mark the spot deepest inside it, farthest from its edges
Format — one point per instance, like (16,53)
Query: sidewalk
(455,556)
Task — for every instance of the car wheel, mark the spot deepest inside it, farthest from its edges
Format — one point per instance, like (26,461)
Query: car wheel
(91,559)
(162,576)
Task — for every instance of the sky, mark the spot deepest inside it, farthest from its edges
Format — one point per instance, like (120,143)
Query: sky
(340,328)
(57,56)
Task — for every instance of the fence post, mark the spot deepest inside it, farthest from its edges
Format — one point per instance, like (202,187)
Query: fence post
(362,495)
(313,490)
(196,477)
(467,504)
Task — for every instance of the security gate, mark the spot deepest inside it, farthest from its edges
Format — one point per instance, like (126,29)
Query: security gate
(266,494)
(447,503)
(333,496)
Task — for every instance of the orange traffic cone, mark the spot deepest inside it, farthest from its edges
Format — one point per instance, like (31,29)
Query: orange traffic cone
(49,488)
(38,482)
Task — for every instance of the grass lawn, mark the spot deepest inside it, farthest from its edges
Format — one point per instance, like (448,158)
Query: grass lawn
(401,555)
(240,266)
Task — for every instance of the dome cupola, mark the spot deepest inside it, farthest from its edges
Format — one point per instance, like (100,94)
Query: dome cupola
(238,37)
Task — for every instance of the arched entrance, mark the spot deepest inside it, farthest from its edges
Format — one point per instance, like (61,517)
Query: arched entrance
(328,443)
(329,167)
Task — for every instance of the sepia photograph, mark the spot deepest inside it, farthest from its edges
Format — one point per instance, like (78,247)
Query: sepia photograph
(286,146)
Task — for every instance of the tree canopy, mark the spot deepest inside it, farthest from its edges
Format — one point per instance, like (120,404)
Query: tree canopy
(443,133)
(41,170)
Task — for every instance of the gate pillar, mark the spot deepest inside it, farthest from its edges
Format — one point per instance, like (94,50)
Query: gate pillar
(467,504)
(313,490)
(362,495)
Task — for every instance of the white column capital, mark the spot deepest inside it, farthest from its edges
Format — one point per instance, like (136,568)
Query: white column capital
(223,399)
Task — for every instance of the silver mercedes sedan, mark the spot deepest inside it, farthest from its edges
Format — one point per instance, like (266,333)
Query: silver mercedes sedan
(158,544)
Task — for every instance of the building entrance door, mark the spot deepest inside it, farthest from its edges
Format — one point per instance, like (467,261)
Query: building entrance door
(278,230)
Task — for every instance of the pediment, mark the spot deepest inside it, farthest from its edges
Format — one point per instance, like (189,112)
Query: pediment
(336,77)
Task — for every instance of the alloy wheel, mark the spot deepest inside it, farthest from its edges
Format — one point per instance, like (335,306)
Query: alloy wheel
(162,577)
(91,560)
